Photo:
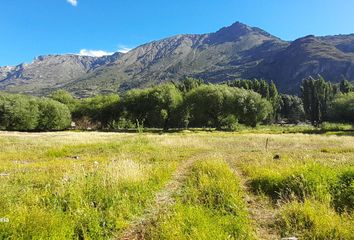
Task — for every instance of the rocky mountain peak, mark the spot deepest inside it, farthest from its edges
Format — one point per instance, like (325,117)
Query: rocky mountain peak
(236,51)
(237,31)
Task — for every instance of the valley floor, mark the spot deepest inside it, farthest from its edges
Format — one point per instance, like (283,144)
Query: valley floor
(201,185)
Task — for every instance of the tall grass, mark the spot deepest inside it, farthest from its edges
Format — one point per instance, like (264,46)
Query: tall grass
(210,206)
(325,184)
(74,185)
(314,220)
(82,191)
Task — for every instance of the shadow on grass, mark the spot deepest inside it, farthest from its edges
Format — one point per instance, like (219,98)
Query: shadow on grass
(258,130)
(330,132)
(251,130)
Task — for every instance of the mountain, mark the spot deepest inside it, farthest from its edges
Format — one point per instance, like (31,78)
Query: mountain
(309,56)
(237,51)
(214,57)
(47,72)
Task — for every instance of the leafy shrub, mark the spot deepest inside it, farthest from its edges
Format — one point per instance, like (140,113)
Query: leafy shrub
(210,105)
(18,112)
(53,115)
(101,110)
(342,108)
(123,123)
(156,107)
(25,113)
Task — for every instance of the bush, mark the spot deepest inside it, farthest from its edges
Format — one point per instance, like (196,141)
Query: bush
(210,105)
(156,107)
(18,112)
(25,113)
(101,109)
(342,109)
(53,115)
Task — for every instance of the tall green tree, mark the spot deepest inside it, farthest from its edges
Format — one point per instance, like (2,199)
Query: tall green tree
(166,99)
(188,84)
(18,112)
(345,86)
(291,108)
(53,115)
(267,90)
(64,97)
(211,105)
(101,109)
(317,94)
(26,113)
(342,109)
(155,107)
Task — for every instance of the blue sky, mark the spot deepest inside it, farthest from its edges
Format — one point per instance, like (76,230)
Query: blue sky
(38,27)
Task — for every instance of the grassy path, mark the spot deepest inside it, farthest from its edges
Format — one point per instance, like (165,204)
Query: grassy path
(163,201)
(261,211)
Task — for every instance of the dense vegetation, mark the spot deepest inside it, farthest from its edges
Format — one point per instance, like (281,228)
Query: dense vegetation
(189,103)
(20,112)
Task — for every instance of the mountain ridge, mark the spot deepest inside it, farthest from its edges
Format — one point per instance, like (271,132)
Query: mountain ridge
(233,52)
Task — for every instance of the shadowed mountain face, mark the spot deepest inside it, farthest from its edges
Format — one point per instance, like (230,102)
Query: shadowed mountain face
(308,56)
(237,51)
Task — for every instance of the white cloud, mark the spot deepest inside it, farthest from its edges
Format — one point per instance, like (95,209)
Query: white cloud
(94,53)
(100,53)
(72,2)
(123,49)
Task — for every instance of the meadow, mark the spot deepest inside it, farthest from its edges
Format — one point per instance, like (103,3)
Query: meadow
(260,184)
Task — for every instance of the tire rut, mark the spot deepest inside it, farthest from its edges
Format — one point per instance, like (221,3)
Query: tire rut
(163,201)
(261,211)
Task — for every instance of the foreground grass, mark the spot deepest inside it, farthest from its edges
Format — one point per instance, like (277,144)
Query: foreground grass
(209,206)
(93,185)
(83,191)
(311,184)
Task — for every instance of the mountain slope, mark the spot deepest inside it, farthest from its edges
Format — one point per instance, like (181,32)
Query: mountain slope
(215,57)
(308,56)
(49,71)
(237,51)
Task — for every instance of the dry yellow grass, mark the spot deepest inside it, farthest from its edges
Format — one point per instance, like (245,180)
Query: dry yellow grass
(100,182)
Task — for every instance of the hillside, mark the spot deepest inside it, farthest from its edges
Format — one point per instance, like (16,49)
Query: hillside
(237,51)
(47,72)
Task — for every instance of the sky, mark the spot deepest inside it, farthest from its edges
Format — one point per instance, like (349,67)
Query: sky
(29,28)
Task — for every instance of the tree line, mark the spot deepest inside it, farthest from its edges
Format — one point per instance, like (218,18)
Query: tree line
(325,101)
(189,103)
(26,113)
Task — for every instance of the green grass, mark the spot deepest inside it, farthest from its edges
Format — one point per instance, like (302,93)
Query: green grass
(91,185)
(210,206)
(314,220)
(315,181)
(95,196)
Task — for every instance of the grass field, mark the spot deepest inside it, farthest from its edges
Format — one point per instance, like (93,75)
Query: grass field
(200,185)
